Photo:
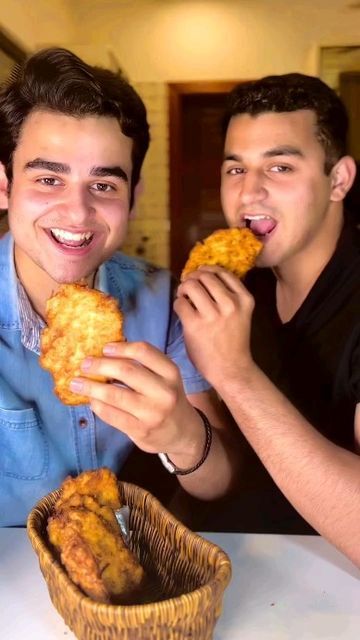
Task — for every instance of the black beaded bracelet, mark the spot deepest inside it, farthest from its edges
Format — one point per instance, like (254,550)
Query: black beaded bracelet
(172,468)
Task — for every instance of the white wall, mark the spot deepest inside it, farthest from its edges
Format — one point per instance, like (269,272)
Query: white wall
(179,40)
(37,22)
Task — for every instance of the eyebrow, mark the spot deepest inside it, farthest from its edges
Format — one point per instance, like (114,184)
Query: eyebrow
(283,150)
(60,167)
(102,172)
(56,167)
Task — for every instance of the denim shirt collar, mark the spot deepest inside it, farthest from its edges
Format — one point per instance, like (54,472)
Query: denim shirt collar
(16,309)
(9,305)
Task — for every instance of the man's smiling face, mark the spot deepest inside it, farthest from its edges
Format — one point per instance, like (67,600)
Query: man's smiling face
(69,197)
(273,180)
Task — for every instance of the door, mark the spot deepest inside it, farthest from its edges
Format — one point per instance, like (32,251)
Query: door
(349,89)
(196,148)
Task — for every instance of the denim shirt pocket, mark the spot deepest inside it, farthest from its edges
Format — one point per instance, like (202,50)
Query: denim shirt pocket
(24,450)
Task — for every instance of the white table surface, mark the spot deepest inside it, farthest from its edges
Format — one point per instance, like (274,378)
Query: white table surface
(283,587)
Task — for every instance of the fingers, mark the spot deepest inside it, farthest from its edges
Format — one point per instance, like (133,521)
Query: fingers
(148,374)
(140,354)
(209,288)
(136,420)
(117,405)
(136,388)
(232,282)
(194,296)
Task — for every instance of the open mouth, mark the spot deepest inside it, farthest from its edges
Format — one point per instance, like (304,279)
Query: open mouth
(70,239)
(260,225)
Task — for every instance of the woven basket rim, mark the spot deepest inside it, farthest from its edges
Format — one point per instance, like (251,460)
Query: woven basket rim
(223,571)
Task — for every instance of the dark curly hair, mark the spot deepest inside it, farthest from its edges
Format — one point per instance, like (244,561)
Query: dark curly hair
(56,79)
(291,92)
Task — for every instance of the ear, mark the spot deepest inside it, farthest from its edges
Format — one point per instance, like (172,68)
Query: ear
(138,191)
(4,183)
(342,177)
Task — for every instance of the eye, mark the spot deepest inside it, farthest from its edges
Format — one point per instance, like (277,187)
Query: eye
(281,168)
(103,187)
(235,171)
(49,181)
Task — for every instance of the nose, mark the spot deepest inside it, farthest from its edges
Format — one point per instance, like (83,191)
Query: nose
(252,188)
(78,207)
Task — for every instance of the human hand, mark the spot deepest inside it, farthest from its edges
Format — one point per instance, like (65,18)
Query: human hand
(145,398)
(215,309)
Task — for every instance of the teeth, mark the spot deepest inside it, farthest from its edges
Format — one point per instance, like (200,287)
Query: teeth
(62,235)
(257,217)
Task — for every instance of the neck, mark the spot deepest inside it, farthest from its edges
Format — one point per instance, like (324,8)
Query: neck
(38,284)
(297,276)
(38,289)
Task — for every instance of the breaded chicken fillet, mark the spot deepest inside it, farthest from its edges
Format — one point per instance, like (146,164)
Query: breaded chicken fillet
(101,484)
(234,249)
(87,536)
(80,321)
(94,555)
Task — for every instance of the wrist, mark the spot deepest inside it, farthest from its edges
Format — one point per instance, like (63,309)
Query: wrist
(187,464)
(229,370)
(239,384)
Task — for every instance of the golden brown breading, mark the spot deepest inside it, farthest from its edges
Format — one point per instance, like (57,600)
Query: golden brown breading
(84,530)
(77,500)
(77,558)
(101,484)
(96,558)
(80,321)
(233,249)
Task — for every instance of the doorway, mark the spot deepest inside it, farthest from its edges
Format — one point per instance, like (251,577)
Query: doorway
(349,89)
(196,148)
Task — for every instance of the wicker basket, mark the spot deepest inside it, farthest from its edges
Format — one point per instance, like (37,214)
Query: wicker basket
(189,577)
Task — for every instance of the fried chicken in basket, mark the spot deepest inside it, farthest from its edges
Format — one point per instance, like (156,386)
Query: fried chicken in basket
(80,321)
(233,249)
(85,532)
(101,484)
(94,555)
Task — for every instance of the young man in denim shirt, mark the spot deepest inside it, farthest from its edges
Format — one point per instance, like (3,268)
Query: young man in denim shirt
(72,142)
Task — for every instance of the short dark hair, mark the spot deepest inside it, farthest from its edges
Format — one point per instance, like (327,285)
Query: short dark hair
(292,92)
(56,79)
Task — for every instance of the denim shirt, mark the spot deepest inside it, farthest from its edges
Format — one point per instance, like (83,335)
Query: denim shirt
(43,440)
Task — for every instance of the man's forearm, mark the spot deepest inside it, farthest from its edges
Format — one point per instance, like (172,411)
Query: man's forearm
(320,479)
(216,475)
(214,478)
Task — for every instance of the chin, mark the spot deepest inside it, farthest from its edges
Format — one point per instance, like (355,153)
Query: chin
(264,262)
(70,278)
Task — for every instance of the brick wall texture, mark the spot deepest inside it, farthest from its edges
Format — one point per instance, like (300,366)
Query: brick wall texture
(149,228)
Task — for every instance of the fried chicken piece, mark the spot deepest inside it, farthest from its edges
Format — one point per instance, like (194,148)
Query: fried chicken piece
(95,557)
(77,500)
(80,321)
(85,531)
(101,484)
(77,558)
(233,249)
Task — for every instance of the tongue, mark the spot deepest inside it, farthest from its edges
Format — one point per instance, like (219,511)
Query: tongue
(72,243)
(261,227)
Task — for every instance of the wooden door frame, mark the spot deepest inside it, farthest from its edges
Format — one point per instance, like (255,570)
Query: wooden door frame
(177,92)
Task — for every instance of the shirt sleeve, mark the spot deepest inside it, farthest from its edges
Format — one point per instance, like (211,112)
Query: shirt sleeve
(176,350)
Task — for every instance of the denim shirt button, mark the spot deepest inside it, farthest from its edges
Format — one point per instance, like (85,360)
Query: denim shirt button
(83,423)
